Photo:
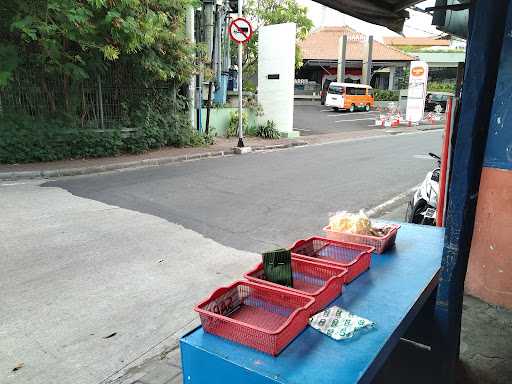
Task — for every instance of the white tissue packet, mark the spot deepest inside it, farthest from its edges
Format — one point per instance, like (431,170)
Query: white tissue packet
(339,323)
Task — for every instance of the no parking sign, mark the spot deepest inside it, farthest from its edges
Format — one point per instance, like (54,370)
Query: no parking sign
(240,30)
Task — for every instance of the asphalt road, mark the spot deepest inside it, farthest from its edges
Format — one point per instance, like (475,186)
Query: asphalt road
(258,201)
(311,118)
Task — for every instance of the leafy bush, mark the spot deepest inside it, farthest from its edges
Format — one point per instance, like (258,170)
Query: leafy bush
(252,131)
(268,131)
(436,86)
(202,139)
(249,86)
(232,129)
(385,95)
(25,139)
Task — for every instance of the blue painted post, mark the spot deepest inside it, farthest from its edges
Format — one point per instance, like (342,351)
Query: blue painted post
(487,21)
(498,153)
(490,264)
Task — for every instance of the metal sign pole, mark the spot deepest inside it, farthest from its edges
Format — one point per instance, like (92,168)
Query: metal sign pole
(240,101)
(240,31)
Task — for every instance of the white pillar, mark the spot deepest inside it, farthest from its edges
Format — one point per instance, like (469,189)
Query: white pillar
(418,77)
(342,53)
(276,73)
(368,64)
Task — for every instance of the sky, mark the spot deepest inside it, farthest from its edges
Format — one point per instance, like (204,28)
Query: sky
(419,24)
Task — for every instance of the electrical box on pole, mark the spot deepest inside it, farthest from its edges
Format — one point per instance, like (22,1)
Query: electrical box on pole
(233,6)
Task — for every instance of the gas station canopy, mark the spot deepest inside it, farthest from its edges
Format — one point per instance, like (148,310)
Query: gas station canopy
(388,13)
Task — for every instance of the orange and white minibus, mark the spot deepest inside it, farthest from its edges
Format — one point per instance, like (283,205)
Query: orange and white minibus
(354,97)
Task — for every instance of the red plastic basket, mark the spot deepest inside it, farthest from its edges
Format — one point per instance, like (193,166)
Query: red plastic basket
(354,257)
(381,244)
(321,281)
(256,315)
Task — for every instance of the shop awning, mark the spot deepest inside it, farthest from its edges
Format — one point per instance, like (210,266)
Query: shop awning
(388,13)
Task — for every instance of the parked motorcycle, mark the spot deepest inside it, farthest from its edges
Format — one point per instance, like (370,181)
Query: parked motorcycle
(422,207)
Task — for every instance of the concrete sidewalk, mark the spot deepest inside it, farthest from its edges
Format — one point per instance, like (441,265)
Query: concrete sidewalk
(90,290)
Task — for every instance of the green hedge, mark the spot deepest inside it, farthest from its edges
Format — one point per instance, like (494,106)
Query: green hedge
(436,86)
(24,139)
(385,95)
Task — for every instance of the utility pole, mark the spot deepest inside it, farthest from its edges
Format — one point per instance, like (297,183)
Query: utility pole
(218,42)
(191,92)
(199,32)
(342,58)
(240,92)
(226,53)
(213,68)
(209,28)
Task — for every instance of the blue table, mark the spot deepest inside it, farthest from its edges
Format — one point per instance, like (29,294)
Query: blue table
(391,294)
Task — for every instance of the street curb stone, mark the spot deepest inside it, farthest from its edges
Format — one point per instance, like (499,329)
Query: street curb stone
(50,173)
(430,127)
(279,146)
(398,130)
(242,150)
(19,175)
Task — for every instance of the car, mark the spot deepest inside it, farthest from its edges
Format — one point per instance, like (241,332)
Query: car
(436,98)
(349,96)
(323,92)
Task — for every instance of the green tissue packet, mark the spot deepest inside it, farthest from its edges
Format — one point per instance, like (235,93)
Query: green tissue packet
(277,265)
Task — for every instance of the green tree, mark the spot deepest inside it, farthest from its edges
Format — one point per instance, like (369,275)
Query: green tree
(268,12)
(77,39)
(84,70)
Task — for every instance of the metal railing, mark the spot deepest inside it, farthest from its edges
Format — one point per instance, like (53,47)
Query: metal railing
(99,102)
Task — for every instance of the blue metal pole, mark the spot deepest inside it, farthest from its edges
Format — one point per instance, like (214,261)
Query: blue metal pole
(487,22)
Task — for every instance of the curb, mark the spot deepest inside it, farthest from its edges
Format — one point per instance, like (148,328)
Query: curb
(146,163)
(397,130)
(430,127)
(280,146)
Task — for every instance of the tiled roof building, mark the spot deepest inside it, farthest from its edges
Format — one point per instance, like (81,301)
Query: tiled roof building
(320,54)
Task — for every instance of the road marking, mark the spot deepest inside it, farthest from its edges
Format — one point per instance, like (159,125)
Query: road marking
(358,113)
(395,201)
(342,121)
(14,183)
(367,138)
(326,110)
(423,157)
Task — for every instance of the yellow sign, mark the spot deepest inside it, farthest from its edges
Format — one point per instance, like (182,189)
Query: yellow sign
(417,71)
